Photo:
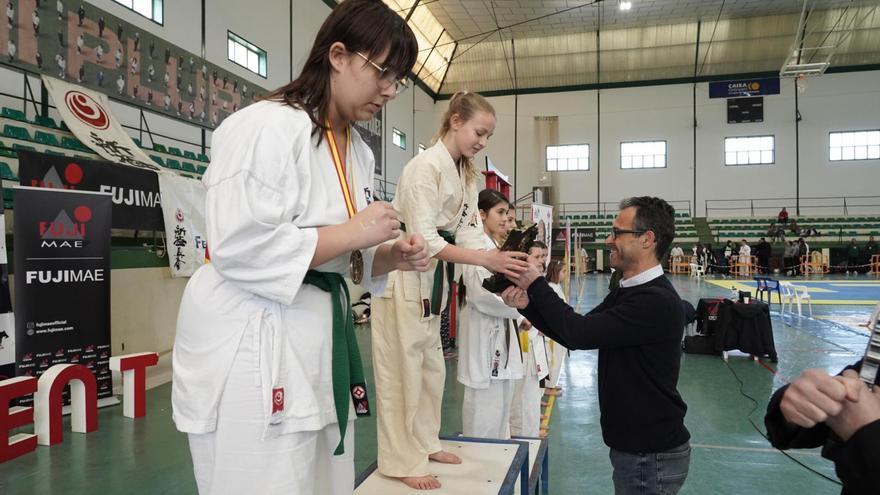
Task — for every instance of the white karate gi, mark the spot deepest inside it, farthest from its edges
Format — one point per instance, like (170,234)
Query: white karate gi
(248,324)
(489,356)
(525,411)
(407,354)
(556,351)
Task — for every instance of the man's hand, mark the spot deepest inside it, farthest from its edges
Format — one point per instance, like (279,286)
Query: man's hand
(815,396)
(515,297)
(856,413)
(410,253)
(524,279)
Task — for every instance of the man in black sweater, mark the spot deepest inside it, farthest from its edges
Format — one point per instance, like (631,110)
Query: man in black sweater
(838,413)
(638,330)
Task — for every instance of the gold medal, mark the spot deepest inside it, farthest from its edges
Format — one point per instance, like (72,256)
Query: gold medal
(356,267)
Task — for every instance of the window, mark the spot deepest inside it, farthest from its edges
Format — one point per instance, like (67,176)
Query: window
(568,157)
(855,145)
(421,148)
(246,54)
(750,150)
(643,154)
(398,138)
(151,9)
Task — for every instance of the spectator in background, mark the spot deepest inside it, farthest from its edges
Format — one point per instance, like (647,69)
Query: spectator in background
(710,259)
(870,249)
(762,251)
(745,256)
(852,257)
(794,227)
(783,216)
(790,257)
(676,254)
(776,232)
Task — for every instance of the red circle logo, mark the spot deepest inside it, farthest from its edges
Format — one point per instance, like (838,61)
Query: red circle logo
(179,215)
(82,214)
(73,173)
(87,110)
(278,397)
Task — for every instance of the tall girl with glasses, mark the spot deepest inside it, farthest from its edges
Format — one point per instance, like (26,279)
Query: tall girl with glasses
(267,373)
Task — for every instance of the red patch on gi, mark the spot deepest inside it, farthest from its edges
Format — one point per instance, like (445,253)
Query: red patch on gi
(277,400)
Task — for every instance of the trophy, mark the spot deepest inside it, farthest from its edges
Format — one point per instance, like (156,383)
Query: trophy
(519,239)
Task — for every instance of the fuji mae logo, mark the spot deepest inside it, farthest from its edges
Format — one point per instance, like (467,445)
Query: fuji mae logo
(73,175)
(64,228)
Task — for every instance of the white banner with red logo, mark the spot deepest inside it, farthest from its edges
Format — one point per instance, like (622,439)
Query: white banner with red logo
(543,216)
(183,209)
(87,114)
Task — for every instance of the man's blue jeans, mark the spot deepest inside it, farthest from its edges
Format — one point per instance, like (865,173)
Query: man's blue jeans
(650,474)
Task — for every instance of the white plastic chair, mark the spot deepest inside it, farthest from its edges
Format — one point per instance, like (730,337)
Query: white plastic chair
(697,270)
(794,294)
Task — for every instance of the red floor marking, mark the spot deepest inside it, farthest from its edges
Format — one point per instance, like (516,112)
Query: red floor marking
(771,370)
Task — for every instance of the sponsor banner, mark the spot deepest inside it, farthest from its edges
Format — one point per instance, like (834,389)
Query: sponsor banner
(183,207)
(7,322)
(135,192)
(585,235)
(744,87)
(62,282)
(543,216)
(87,114)
(82,43)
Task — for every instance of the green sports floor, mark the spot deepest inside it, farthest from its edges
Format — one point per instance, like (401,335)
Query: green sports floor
(730,456)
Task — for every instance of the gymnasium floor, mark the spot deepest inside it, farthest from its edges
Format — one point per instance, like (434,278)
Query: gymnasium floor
(729,456)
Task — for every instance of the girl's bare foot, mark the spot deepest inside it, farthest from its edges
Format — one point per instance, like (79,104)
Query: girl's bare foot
(445,457)
(427,482)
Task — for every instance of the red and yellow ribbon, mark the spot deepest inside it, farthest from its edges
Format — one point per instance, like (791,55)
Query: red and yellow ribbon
(341,174)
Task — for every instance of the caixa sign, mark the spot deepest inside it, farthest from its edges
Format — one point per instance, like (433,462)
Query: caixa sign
(47,392)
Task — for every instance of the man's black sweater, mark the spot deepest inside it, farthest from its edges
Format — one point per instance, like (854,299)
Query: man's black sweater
(638,332)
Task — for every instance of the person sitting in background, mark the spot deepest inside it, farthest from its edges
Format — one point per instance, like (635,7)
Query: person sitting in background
(793,226)
(840,414)
(783,216)
(776,232)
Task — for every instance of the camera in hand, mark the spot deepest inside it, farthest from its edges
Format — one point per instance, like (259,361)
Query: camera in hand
(519,239)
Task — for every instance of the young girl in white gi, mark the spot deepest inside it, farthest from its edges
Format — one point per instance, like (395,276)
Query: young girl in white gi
(489,354)
(437,198)
(525,411)
(556,351)
(267,373)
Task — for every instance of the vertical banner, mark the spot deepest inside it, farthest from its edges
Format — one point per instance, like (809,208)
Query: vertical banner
(87,114)
(62,282)
(543,216)
(371,133)
(7,322)
(183,208)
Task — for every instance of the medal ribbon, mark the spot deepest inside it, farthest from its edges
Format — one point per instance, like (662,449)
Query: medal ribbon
(350,205)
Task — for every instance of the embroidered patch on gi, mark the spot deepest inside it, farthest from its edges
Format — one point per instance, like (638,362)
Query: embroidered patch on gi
(426,308)
(359,398)
(277,400)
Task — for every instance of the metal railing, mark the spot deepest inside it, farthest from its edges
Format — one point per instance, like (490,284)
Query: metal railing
(561,210)
(767,207)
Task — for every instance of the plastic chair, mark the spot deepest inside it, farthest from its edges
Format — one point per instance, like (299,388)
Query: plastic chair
(795,294)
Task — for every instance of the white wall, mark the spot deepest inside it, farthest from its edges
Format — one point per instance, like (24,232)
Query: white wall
(832,102)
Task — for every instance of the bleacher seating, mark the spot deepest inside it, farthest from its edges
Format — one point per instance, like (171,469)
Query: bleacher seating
(11,113)
(45,122)
(175,151)
(189,167)
(831,228)
(16,132)
(173,164)
(6,172)
(684,225)
(160,148)
(189,154)
(46,138)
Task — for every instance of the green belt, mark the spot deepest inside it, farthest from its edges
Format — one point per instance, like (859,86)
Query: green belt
(348,370)
(449,271)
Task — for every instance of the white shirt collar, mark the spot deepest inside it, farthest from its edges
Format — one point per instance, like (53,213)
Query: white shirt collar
(643,278)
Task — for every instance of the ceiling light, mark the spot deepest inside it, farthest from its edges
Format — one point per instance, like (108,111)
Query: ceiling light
(625,5)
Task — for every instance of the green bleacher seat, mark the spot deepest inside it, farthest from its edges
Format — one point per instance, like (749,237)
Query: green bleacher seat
(6,172)
(45,121)
(203,157)
(173,164)
(14,131)
(8,153)
(174,151)
(158,147)
(17,146)
(7,198)
(201,169)
(63,126)
(189,167)
(53,152)
(11,113)
(70,143)
(157,160)
(46,138)
(189,154)
(136,141)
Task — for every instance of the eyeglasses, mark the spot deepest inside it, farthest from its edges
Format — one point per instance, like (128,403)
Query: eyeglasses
(386,80)
(615,232)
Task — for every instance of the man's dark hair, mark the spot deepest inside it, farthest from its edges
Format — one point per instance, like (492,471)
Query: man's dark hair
(538,244)
(656,215)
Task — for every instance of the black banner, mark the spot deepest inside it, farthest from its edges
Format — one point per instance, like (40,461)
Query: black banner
(62,282)
(7,322)
(134,191)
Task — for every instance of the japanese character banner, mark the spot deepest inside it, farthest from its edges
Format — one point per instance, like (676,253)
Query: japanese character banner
(135,192)
(183,207)
(62,282)
(87,114)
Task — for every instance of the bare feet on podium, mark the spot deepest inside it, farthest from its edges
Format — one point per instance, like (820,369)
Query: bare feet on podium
(426,482)
(445,457)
